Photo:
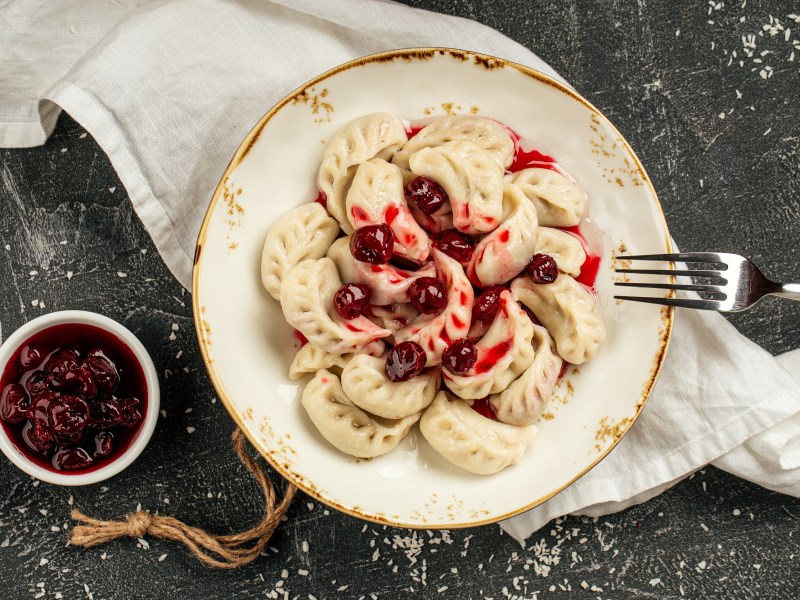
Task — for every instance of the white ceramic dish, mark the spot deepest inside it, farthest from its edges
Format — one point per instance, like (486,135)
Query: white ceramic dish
(146,427)
(247,346)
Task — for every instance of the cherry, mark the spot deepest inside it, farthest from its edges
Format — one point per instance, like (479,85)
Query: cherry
(68,415)
(38,409)
(103,444)
(37,436)
(460,356)
(62,360)
(130,410)
(71,459)
(405,360)
(351,299)
(77,380)
(13,403)
(487,303)
(30,356)
(542,268)
(426,194)
(36,383)
(105,413)
(103,371)
(428,295)
(67,440)
(372,244)
(455,244)
(484,408)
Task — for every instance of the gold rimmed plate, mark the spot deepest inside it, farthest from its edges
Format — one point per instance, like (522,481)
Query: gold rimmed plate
(248,347)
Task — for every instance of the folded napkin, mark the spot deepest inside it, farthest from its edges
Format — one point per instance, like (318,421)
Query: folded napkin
(169,88)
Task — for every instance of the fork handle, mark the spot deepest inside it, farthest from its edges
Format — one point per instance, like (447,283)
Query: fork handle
(787,290)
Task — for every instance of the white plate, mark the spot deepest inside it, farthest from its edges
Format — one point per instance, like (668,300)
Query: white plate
(248,347)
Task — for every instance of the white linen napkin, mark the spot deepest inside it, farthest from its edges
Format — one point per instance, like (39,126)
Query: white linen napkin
(169,88)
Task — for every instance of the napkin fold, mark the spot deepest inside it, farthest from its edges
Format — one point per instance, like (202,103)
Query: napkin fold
(168,90)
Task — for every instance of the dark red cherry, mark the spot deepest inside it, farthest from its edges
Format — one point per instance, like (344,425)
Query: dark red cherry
(103,444)
(460,356)
(30,356)
(542,268)
(426,194)
(351,299)
(455,244)
(484,408)
(14,401)
(69,440)
(105,413)
(372,244)
(71,458)
(405,360)
(78,381)
(131,411)
(103,371)
(38,409)
(428,295)
(37,436)
(36,383)
(63,360)
(68,415)
(487,303)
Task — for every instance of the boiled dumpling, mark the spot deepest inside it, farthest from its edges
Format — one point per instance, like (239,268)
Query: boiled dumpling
(346,426)
(310,359)
(470,440)
(565,249)
(559,201)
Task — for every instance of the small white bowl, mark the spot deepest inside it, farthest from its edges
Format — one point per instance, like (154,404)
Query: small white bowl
(145,428)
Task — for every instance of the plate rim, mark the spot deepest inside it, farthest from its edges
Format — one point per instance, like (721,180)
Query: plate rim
(250,139)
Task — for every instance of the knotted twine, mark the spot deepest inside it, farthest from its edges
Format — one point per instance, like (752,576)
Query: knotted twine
(222,551)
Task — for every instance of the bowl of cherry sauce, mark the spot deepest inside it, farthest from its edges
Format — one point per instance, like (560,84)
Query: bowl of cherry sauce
(79,397)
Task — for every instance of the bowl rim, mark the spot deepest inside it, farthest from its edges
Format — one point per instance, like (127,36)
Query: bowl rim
(487,61)
(147,427)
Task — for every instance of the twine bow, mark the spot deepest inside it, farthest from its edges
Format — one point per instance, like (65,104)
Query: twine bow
(222,551)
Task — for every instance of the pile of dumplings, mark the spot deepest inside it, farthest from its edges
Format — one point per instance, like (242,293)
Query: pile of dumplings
(511,216)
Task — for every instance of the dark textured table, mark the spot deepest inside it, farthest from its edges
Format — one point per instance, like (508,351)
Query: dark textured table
(707,95)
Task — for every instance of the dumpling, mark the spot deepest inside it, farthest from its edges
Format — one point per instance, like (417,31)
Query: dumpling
(488,134)
(346,426)
(503,354)
(435,332)
(566,249)
(303,233)
(365,382)
(470,440)
(471,177)
(376,196)
(559,201)
(524,401)
(307,302)
(356,142)
(310,359)
(389,284)
(505,252)
(570,313)
(438,221)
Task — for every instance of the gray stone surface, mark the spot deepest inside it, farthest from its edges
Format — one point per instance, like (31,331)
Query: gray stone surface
(718,134)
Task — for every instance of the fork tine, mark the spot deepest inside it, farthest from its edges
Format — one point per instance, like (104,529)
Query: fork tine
(688,273)
(679,302)
(671,286)
(706,257)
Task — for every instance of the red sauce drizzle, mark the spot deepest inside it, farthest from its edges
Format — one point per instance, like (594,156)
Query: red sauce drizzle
(352,327)
(359,214)
(322,199)
(463,298)
(391,214)
(591,265)
(457,322)
(300,338)
(504,235)
(482,407)
(524,159)
(412,131)
(493,354)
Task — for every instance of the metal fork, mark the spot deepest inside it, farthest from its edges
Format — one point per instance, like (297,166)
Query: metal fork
(737,282)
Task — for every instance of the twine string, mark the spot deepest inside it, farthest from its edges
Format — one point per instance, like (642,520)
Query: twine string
(223,551)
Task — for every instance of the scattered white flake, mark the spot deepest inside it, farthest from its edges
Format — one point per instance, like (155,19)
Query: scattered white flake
(143,543)
(703,525)
(738,95)
(112,189)
(69,274)
(284,574)
(442,589)
(103,556)
(35,303)
(8,247)
(83,135)
(722,115)
(63,242)
(163,413)
(310,505)
(179,354)
(175,327)
(190,430)
(305,546)
(89,594)
(143,250)
(584,585)
(55,529)
(736,512)
(70,500)
(677,32)
(757,567)
(41,304)
(43,562)
(63,150)
(58,596)
(162,557)
(188,410)
(767,131)
(342,588)
(701,565)
(121,274)
(302,572)
(172,337)
(33,273)
(5,543)
(210,495)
